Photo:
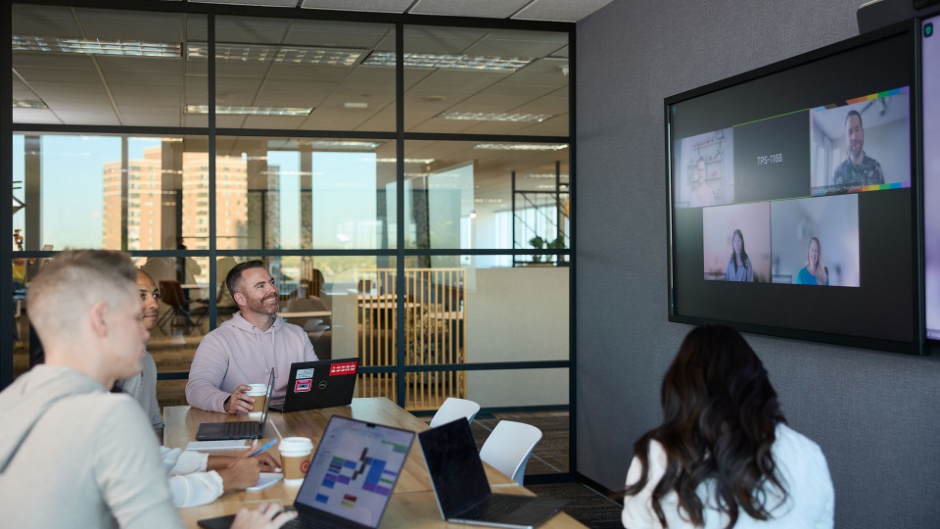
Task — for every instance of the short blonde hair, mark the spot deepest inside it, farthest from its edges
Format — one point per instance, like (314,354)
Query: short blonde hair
(66,287)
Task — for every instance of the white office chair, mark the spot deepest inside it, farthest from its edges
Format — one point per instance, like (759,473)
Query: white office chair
(452,409)
(509,446)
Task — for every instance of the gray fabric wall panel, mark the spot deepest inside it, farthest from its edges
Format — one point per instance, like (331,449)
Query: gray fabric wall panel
(876,415)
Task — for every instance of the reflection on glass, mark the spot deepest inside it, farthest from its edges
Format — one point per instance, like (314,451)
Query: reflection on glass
(300,74)
(301,194)
(484,81)
(462,195)
(78,66)
(111,192)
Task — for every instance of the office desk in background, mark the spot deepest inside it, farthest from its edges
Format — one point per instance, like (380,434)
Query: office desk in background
(413,503)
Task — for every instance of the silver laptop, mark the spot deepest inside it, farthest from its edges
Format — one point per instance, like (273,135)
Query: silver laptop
(463,494)
(351,478)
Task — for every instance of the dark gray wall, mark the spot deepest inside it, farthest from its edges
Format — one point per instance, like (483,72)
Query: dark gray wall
(875,415)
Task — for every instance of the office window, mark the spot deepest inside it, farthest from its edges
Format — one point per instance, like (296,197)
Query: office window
(485,195)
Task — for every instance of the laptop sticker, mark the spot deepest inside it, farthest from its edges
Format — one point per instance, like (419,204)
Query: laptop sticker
(302,386)
(305,373)
(342,368)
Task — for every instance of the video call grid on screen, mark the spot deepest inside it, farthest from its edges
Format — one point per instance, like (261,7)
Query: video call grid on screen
(765,165)
(930,104)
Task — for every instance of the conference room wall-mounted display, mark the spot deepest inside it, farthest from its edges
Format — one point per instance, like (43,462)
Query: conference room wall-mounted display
(792,197)
(930,131)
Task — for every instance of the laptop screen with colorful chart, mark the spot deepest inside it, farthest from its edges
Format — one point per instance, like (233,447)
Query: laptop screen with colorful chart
(354,471)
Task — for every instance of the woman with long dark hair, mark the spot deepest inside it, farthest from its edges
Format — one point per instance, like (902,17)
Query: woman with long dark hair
(739,265)
(724,456)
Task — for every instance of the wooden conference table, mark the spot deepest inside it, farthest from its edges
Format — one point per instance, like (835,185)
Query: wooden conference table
(412,505)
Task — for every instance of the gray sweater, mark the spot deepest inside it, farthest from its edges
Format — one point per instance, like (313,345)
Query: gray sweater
(239,353)
(143,387)
(74,455)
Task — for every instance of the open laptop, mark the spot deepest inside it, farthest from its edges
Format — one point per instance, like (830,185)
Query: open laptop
(320,384)
(220,431)
(351,478)
(460,485)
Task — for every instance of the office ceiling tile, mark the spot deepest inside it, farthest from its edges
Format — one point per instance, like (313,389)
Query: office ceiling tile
(476,8)
(372,6)
(560,10)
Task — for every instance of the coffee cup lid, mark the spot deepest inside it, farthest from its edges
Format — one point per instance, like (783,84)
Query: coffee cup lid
(296,444)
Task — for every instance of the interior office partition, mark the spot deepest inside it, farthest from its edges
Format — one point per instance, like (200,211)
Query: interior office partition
(371,161)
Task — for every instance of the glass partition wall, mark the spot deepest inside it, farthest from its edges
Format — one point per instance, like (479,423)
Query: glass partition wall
(407,184)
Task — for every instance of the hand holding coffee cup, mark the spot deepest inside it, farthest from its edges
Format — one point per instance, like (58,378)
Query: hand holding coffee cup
(295,458)
(239,401)
(258,392)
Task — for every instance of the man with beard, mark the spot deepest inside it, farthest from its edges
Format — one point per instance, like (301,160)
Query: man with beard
(245,349)
(858,169)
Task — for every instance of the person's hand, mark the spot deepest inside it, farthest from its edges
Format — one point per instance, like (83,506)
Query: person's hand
(239,401)
(267,463)
(242,472)
(267,516)
(822,276)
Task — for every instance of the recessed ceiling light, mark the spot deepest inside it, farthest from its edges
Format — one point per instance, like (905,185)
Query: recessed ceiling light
(434,99)
(563,176)
(345,144)
(250,111)
(492,116)
(29,103)
(521,146)
(126,48)
(425,161)
(448,62)
(355,105)
(255,53)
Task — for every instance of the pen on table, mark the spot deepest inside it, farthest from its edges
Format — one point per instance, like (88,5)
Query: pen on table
(263,448)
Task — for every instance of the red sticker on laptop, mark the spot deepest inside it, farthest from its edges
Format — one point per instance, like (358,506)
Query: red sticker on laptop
(343,368)
(302,386)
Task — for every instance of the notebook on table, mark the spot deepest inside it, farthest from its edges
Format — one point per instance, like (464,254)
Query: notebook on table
(351,478)
(459,482)
(220,431)
(320,384)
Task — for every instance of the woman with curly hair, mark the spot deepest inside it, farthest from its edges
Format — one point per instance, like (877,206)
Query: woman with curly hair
(723,456)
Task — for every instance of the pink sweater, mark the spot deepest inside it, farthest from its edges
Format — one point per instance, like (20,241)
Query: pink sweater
(239,353)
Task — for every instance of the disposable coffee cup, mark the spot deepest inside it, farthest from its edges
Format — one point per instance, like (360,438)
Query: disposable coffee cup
(295,459)
(260,393)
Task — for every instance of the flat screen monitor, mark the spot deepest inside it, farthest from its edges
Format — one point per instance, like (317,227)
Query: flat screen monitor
(930,106)
(792,209)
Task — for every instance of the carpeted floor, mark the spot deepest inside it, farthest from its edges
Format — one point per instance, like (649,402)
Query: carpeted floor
(585,505)
(550,456)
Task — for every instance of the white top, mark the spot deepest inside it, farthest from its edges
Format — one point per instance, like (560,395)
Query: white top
(801,465)
(190,484)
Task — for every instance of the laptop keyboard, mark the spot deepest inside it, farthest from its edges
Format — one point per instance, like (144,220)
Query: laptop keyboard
(312,522)
(494,507)
(242,428)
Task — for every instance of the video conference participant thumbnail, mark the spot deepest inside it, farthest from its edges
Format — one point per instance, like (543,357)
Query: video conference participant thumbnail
(704,169)
(736,242)
(771,158)
(815,241)
(866,143)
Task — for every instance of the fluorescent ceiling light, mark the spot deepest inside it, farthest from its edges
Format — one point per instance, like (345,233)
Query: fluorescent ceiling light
(425,161)
(29,103)
(448,62)
(344,144)
(260,53)
(125,48)
(521,146)
(564,176)
(493,116)
(250,111)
